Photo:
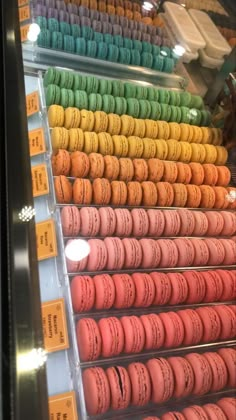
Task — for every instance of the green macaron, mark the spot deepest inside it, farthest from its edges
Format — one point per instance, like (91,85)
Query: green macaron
(185,115)
(195,116)
(80,82)
(105,87)
(67,98)
(44,38)
(146,47)
(91,48)
(124,56)
(146,59)
(141,92)
(108,104)
(118,88)
(185,99)
(95,102)
(53,25)
(98,37)
(155,110)
(80,46)
(144,109)
(56,40)
(133,108)
(173,115)
(81,99)
(178,115)
(102,50)
(137,45)
(118,40)
(128,43)
(158,63)
(135,57)
(66,79)
(43,23)
(165,112)
(155,49)
(53,95)
(113,53)
(69,44)
(150,94)
(120,105)
(130,90)
(92,84)
(51,76)
(196,102)
(75,31)
(164,96)
(64,28)
(86,32)
(108,38)
(206,118)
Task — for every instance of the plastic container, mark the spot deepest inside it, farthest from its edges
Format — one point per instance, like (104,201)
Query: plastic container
(186,31)
(216,45)
(209,62)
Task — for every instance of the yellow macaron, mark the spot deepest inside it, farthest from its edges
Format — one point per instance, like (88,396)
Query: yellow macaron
(127,125)
(139,128)
(135,147)
(114,124)
(59,138)
(149,148)
(163,130)
(71,118)
(198,153)
(121,145)
(56,116)
(100,121)
(186,151)
(174,149)
(175,131)
(222,155)
(105,144)
(161,149)
(151,129)
(197,134)
(76,140)
(90,142)
(211,153)
(87,120)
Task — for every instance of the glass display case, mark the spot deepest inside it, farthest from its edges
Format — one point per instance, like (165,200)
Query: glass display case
(121,220)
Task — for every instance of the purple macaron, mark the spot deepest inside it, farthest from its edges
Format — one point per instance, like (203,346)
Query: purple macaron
(114,19)
(60,5)
(83,11)
(64,16)
(97,25)
(52,13)
(74,19)
(85,21)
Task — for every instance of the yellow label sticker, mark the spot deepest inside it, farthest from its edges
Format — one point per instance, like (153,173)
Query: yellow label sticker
(37,143)
(22,2)
(46,240)
(63,406)
(24,32)
(54,325)
(40,180)
(32,103)
(24,13)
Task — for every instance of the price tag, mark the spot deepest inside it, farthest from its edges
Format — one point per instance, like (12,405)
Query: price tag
(24,32)
(37,142)
(32,103)
(24,13)
(63,406)
(46,240)
(22,2)
(40,180)
(54,326)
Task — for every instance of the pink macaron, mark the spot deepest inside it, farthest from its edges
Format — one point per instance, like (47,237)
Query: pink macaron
(179,288)
(196,286)
(195,412)
(156,222)
(229,357)
(187,222)
(124,222)
(229,228)
(112,336)
(82,293)
(202,253)
(216,251)
(162,288)
(228,406)
(78,264)
(70,220)
(115,253)
(229,285)
(144,289)
(174,329)
(97,258)
(215,223)
(140,222)
(201,223)
(186,252)
(193,326)
(169,253)
(133,253)
(154,331)
(172,223)
(134,334)
(151,252)
(124,291)
(90,221)
(230,251)
(211,324)
(183,375)
(219,371)
(214,286)
(88,339)
(96,390)
(140,384)
(162,379)
(107,221)
(203,377)
(120,387)
(214,412)
(105,291)
(228,321)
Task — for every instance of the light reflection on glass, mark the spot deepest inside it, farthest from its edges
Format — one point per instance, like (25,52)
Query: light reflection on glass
(31,360)
(147,5)
(77,249)
(179,50)
(231,197)
(27,213)
(33,32)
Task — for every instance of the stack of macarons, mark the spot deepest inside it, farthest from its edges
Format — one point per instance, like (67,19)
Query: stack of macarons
(141,222)
(223,409)
(104,192)
(97,34)
(159,380)
(112,336)
(142,290)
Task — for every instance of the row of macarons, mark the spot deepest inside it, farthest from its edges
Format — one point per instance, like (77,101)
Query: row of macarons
(117,254)
(68,24)
(92,84)
(102,192)
(102,50)
(159,380)
(221,410)
(142,290)
(113,336)
(97,165)
(136,108)
(135,6)
(106,10)
(139,222)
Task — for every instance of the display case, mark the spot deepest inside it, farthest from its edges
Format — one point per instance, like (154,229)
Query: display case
(134,263)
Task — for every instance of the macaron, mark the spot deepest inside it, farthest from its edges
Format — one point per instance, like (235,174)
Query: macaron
(154,331)
(97,257)
(140,384)
(187,222)
(211,324)
(96,390)
(229,357)
(155,169)
(196,286)
(162,379)
(163,288)
(183,376)
(193,327)
(214,286)
(169,253)
(228,318)
(195,412)
(70,220)
(111,167)
(89,339)
(179,288)
(170,172)
(140,222)
(124,291)
(201,223)
(151,253)
(63,189)
(174,329)
(171,223)
(82,293)
(184,174)
(101,191)
(120,387)
(80,164)
(115,253)
(202,253)
(90,221)
(134,194)
(134,334)
(112,336)
(133,253)
(214,410)
(228,406)
(124,222)
(215,223)
(203,377)
(156,222)
(219,371)
(216,251)
(186,252)
(104,291)
(118,193)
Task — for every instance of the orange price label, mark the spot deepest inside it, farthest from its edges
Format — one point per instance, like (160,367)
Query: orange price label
(22,2)
(54,326)
(24,32)
(24,13)
(63,406)
(46,240)
(37,142)
(32,103)
(40,180)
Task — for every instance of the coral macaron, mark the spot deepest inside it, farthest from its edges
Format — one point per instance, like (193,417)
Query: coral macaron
(162,379)
(96,390)
(120,387)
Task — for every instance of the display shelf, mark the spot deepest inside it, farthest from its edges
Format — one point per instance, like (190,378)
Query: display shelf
(46,57)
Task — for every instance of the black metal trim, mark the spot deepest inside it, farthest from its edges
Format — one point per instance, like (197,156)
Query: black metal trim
(28,389)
